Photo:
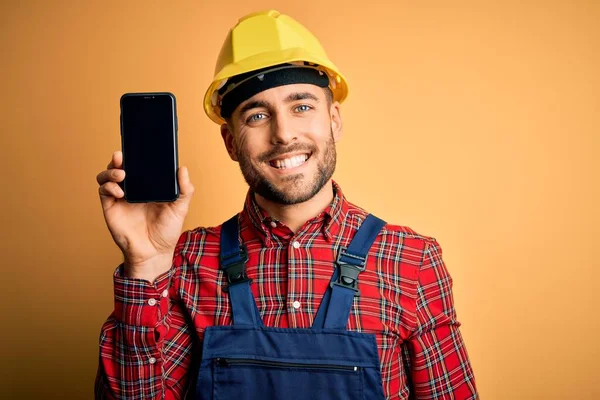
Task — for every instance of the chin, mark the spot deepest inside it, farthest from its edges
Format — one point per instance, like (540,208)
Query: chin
(295,192)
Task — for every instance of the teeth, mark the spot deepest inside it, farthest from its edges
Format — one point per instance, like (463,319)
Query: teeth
(291,162)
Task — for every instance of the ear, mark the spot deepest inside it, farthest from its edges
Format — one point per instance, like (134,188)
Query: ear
(337,127)
(229,141)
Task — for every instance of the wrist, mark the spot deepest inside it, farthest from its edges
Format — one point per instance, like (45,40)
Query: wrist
(148,270)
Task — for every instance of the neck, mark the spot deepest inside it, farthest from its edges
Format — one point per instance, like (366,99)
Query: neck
(295,216)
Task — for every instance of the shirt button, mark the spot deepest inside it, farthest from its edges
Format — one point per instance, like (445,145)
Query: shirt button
(152,360)
(296,245)
(296,304)
(165,293)
(152,302)
(273,224)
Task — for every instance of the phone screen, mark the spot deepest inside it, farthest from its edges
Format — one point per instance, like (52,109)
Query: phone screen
(149,142)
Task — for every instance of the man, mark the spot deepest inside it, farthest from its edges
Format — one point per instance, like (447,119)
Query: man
(204,314)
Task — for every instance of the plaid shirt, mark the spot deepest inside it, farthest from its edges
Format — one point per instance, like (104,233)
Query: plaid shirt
(150,345)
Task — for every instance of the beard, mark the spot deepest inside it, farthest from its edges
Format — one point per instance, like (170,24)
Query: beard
(302,190)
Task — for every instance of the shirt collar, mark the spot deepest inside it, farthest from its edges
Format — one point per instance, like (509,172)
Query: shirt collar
(328,221)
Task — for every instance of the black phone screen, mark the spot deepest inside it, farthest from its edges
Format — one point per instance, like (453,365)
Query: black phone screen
(149,143)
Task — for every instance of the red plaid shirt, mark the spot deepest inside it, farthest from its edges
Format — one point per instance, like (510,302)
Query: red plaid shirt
(150,345)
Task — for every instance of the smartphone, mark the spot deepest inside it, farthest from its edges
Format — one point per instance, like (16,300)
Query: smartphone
(149,145)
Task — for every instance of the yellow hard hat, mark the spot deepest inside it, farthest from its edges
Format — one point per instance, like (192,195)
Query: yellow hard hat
(265,39)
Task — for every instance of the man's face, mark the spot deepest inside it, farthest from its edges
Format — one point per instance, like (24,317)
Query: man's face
(284,140)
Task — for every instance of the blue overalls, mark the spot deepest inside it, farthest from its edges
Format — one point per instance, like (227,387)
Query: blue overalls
(248,360)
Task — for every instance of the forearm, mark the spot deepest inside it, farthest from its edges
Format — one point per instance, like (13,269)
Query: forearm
(439,363)
(131,360)
(440,366)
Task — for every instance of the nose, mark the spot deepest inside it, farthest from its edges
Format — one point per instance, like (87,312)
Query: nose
(282,130)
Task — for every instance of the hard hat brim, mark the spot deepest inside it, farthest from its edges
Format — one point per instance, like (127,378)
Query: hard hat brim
(339,87)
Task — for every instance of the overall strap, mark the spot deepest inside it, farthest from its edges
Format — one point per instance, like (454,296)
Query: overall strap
(334,310)
(233,258)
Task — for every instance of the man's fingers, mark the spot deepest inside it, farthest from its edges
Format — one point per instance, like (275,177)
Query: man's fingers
(111,189)
(117,160)
(110,175)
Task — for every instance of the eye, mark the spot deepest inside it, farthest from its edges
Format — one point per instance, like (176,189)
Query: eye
(256,117)
(303,108)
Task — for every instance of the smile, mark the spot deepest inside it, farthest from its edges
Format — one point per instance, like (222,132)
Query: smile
(289,162)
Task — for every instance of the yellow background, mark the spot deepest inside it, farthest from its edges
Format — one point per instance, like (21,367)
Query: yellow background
(476,123)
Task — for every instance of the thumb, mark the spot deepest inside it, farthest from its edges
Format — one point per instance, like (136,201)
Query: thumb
(186,189)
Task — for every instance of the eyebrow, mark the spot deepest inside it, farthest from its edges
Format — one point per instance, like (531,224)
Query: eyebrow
(301,96)
(292,97)
(253,104)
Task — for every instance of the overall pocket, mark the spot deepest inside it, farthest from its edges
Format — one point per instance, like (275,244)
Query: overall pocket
(245,379)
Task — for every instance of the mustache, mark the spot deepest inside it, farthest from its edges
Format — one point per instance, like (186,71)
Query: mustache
(278,151)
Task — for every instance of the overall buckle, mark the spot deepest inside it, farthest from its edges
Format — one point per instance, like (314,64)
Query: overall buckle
(236,271)
(348,277)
